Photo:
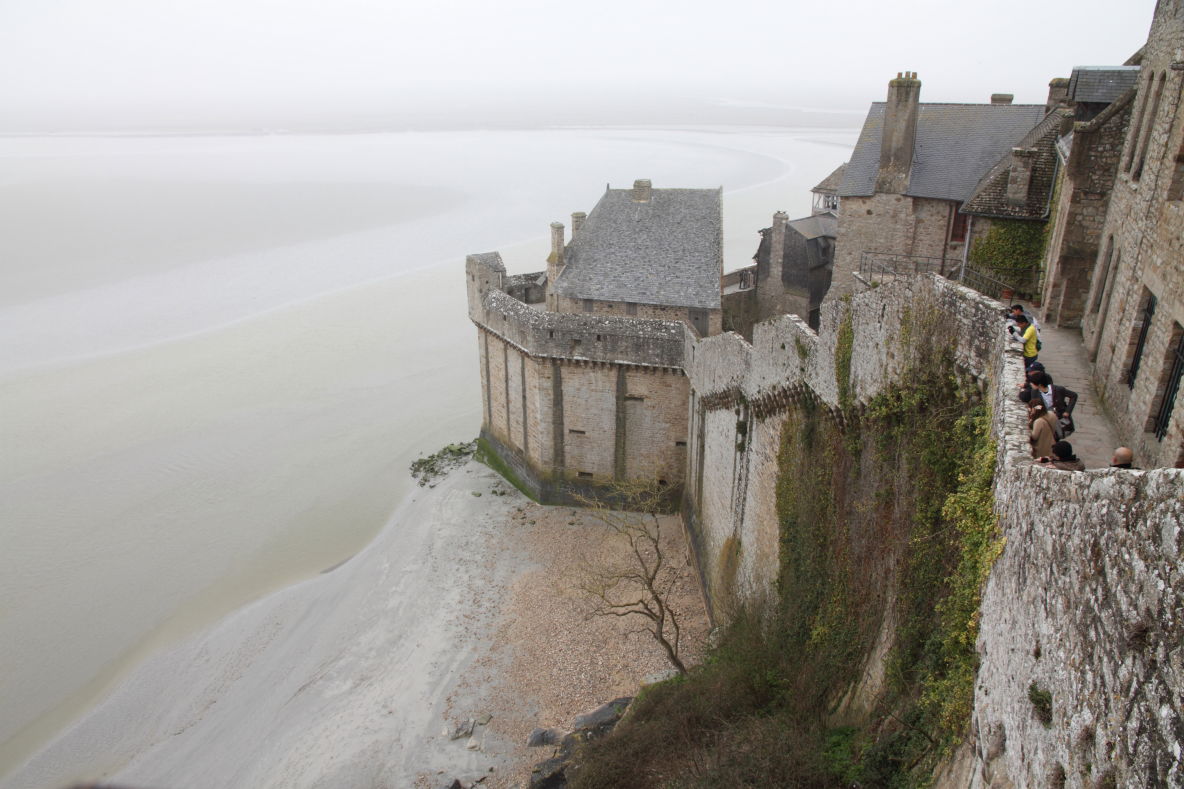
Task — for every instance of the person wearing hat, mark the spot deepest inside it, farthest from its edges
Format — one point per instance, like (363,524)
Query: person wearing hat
(1062,458)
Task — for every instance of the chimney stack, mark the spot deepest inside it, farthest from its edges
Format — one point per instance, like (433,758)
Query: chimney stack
(777,247)
(642,190)
(577,221)
(556,244)
(1002,98)
(899,133)
(1019,177)
(1058,94)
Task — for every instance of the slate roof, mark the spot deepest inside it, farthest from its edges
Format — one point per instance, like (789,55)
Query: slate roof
(990,197)
(830,184)
(666,251)
(825,224)
(1101,84)
(955,145)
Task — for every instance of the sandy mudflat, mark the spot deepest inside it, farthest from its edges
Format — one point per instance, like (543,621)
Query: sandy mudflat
(462,606)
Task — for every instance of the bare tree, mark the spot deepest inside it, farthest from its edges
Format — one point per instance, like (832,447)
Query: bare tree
(642,584)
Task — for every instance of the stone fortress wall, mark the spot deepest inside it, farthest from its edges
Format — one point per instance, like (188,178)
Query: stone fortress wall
(573,401)
(1086,601)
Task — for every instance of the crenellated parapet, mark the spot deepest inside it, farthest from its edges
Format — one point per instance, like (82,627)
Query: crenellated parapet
(567,336)
(575,403)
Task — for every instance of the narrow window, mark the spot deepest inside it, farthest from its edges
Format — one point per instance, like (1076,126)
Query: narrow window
(1169,385)
(586,474)
(1100,285)
(637,398)
(1176,188)
(575,432)
(1150,124)
(1137,131)
(680,443)
(958,229)
(1139,337)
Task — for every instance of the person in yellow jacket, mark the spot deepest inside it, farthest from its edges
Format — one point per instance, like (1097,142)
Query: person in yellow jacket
(1024,332)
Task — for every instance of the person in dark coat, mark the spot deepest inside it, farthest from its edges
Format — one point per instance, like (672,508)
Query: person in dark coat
(1062,458)
(1060,400)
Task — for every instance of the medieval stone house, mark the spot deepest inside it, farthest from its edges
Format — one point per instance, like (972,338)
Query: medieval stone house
(791,274)
(643,252)
(913,168)
(1088,150)
(582,368)
(1133,320)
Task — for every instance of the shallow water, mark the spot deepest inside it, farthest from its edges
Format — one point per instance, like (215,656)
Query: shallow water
(219,355)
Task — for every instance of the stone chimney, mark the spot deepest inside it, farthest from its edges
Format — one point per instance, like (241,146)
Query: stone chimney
(642,190)
(555,259)
(777,247)
(577,221)
(1002,98)
(1019,177)
(1058,94)
(899,133)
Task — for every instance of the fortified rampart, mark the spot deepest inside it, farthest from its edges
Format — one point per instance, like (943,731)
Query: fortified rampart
(1085,603)
(576,401)
(740,393)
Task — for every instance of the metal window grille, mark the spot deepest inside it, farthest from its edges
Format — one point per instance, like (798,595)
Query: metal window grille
(1160,426)
(1148,313)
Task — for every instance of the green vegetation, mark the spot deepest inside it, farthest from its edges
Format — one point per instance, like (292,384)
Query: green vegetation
(426,470)
(886,515)
(1041,703)
(843,345)
(1012,251)
(485,454)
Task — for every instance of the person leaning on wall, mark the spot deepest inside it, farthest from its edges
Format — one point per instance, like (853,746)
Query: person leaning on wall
(1025,333)
(1062,458)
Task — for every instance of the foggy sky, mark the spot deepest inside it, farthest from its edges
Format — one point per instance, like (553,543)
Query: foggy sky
(78,64)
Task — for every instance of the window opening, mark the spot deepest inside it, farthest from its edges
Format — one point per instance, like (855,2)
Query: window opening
(958,229)
(1163,414)
(1148,313)
(1101,284)
(1148,126)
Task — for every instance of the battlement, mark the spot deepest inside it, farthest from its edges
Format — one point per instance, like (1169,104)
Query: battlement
(493,305)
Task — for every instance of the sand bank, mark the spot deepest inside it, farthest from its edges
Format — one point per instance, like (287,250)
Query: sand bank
(461,606)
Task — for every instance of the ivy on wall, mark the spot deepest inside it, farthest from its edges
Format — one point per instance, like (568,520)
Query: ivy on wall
(886,514)
(1011,251)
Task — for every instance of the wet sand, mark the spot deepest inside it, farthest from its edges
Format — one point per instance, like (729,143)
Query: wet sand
(463,606)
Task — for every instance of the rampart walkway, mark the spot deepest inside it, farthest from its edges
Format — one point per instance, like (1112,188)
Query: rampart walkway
(1064,358)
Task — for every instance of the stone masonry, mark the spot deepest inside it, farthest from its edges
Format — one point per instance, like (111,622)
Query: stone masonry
(1086,602)
(1134,320)
(573,402)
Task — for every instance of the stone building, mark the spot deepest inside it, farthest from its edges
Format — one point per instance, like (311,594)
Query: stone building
(1133,321)
(791,275)
(582,365)
(913,168)
(643,252)
(826,193)
(1088,150)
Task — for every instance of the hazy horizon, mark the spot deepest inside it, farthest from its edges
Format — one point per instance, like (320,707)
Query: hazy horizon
(75,67)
